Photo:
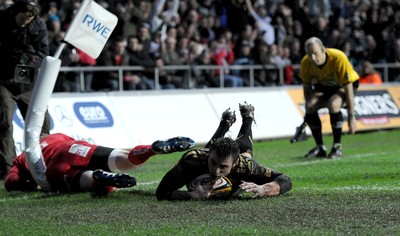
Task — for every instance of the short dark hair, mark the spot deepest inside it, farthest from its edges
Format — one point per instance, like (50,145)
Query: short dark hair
(225,148)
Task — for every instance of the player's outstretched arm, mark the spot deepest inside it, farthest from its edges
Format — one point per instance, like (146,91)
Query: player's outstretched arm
(267,189)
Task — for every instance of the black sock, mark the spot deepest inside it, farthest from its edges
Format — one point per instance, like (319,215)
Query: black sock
(337,124)
(219,133)
(245,136)
(315,125)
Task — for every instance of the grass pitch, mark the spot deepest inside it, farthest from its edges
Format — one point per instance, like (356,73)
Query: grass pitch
(356,195)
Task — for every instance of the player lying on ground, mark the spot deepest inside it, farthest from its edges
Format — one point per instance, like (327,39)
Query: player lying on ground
(78,166)
(223,156)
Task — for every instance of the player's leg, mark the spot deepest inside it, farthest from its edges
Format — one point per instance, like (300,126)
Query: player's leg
(334,105)
(122,160)
(102,182)
(84,170)
(314,122)
(228,118)
(245,135)
(96,173)
(97,181)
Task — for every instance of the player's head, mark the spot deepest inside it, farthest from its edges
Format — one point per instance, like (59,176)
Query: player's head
(224,152)
(25,11)
(315,50)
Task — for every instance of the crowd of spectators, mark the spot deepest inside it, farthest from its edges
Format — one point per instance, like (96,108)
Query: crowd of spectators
(227,32)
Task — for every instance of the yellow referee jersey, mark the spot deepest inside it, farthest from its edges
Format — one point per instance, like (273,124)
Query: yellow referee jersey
(337,71)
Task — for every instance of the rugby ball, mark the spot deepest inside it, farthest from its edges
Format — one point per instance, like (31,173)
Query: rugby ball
(221,187)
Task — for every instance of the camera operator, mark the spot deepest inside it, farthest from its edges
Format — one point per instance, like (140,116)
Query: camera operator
(23,46)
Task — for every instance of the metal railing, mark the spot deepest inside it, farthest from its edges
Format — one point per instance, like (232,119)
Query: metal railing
(383,68)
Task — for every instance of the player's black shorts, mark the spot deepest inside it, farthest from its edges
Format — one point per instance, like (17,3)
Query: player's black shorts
(328,91)
(99,158)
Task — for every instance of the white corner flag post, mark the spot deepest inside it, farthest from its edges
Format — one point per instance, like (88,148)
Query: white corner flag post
(89,31)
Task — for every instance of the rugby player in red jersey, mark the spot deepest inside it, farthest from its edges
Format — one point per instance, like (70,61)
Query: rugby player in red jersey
(78,166)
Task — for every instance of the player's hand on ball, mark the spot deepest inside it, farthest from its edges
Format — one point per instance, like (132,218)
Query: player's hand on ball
(210,188)
(268,189)
(202,192)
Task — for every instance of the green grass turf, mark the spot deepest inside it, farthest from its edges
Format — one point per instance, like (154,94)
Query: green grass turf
(356,195)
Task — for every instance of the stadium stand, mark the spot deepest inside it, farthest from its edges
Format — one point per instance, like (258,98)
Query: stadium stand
(364,29)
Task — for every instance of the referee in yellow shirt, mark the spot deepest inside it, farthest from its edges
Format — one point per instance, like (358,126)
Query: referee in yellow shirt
(330,81)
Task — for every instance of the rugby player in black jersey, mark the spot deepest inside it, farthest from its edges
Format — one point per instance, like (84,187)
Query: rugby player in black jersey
(223,156)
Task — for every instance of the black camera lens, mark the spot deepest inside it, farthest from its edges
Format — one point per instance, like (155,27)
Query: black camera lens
(22,73)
